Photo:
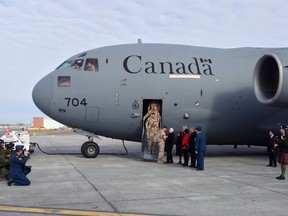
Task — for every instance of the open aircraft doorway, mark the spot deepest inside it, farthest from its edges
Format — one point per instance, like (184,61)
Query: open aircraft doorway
(152,122)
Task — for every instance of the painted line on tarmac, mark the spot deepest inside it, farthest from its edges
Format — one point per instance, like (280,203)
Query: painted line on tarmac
(61,211)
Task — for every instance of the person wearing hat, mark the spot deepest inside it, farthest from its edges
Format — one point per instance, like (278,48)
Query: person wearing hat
(282,145)
(200,144)
(18,171)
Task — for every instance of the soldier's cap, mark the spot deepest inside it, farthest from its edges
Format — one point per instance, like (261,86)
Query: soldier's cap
(198,128)
(19,147)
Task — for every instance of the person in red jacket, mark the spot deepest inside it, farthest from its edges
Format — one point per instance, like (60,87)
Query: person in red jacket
(184,146)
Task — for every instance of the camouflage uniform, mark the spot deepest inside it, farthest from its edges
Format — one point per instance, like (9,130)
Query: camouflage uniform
(153,137)
(152,126)
(153,108)
(161,145)
(4,164)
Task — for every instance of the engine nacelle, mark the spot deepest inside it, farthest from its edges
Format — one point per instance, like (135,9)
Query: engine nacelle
(271,79)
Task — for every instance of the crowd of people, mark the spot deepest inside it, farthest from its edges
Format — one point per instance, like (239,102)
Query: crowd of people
(188,143)
(13,164)
(191,142)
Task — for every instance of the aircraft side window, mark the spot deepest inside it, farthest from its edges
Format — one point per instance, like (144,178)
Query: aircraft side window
(91,64)
(64,81)
(77,64)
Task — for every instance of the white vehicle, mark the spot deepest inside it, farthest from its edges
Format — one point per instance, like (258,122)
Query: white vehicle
(17,138)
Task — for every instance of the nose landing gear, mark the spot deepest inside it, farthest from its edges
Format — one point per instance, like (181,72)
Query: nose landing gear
(90,149)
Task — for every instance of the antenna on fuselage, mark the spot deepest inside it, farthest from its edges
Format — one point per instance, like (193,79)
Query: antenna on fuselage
(139,41)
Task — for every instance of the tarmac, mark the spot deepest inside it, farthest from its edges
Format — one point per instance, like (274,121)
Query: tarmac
(234,182)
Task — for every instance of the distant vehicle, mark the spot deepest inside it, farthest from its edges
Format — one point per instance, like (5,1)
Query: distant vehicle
(17,138)
(235,94)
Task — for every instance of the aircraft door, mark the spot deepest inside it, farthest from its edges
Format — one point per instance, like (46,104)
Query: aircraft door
(152,121)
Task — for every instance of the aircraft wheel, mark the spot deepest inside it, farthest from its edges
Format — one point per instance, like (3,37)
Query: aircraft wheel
(90,149)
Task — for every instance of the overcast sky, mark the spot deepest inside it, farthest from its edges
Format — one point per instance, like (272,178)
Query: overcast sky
(37,35)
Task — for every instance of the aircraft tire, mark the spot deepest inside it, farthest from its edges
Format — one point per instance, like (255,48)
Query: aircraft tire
(90,149)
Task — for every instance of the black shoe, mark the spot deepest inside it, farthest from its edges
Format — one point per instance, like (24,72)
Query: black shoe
(10,181)
(192,166)
(199,169)
(269,165)
(184,164)
(179,162)
(280,177)
(275,166)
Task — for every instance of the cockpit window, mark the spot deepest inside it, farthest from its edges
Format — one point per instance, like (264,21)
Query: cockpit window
(91,64)
(64,81)
(65,64)
(77,64)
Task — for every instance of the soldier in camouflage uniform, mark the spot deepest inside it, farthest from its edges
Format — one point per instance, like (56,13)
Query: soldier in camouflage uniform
(4,161)
(152,125)
(161,144)
(153,108)
(152,133)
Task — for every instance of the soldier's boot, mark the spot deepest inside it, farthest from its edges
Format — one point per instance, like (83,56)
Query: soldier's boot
(160,161)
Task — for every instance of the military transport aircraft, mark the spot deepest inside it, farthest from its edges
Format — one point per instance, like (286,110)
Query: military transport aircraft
(236,95)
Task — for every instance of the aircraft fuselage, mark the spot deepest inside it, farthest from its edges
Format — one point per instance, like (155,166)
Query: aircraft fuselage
(211,87)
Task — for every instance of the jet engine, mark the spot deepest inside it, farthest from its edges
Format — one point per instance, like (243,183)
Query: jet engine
(271,79)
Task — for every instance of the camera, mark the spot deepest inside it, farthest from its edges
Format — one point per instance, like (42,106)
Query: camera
(9,145)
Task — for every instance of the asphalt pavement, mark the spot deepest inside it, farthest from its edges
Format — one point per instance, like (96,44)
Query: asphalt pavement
(234,182)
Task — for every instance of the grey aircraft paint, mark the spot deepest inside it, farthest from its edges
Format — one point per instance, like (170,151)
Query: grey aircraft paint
(236,95)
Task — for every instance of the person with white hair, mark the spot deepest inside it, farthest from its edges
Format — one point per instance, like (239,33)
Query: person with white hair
(169,142)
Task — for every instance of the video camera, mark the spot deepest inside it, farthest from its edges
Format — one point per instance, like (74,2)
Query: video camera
(9,146)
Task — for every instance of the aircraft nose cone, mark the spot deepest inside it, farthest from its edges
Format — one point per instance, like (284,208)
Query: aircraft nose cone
(42,94)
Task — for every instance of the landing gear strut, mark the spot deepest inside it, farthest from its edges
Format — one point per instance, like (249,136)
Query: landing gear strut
(89,149)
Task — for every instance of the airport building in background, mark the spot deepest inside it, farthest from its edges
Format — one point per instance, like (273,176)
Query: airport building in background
(47,123)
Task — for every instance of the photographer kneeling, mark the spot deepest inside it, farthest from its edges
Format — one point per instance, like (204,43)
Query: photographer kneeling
(18,170)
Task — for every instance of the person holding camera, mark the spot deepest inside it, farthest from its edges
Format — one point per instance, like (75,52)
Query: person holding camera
(18,170)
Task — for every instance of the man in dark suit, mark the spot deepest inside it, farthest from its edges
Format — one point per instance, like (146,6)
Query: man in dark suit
(169,142)
(272,151)
(191,147)
(200,144)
